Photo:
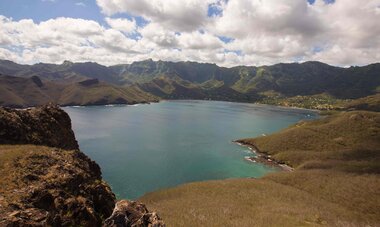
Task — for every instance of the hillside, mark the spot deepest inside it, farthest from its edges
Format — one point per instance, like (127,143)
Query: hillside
(47,181)
(24,92)
(279,84)
(335,182)
(346,141)
(371,103)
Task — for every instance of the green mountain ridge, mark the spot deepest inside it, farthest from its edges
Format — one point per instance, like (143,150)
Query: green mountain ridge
(192,80)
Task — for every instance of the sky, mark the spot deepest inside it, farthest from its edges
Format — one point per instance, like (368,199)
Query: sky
(224,32)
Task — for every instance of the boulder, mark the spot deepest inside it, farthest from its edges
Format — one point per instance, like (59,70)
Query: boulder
(132,214)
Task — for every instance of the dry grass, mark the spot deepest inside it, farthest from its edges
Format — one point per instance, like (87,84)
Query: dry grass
(371,103)
(340,138)
(336,182)
(288,199)
(36,158)
(359,193)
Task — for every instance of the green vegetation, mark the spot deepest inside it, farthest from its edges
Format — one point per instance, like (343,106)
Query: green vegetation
(319,102)
(308,85)
(335,183)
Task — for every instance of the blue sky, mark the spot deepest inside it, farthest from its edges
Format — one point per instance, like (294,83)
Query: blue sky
(39,10)
(42,10)
(225,32)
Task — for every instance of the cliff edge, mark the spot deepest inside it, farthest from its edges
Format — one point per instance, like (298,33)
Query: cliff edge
(48,125)
(47,181)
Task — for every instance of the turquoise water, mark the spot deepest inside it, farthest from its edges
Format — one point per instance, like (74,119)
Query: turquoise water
(143,148)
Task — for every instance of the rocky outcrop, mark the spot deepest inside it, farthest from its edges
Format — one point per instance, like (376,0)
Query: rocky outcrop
(131,213)
(44,186)
(47,181)
(48,125)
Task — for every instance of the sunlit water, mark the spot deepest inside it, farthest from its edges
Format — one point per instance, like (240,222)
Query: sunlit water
(143,148)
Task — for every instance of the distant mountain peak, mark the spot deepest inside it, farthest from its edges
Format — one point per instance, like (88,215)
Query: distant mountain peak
(66,62)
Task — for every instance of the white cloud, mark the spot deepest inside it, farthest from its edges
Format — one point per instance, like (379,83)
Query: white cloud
(184,15)
(261,32)
(198,40)
(64,38)
(121,24)
(160,36)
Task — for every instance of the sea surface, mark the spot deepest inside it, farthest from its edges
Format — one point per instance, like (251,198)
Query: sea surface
(147,147)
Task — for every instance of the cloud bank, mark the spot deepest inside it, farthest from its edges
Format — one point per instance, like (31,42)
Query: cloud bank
(228,33)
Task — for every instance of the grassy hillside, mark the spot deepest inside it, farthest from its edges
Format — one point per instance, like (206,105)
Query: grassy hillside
(23,92)
(335,183)
(346,141)
(278,200)
(371,103)
(101,93)
(16,91)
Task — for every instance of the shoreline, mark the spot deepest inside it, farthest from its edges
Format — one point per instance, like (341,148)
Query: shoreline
(87,105)
(262,157)
(253,103)
(314,111)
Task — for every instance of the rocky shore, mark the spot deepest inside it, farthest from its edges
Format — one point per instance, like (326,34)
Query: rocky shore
(262,157)
(47,181)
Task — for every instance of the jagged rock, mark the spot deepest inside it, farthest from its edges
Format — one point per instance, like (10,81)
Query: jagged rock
(132,214)
(47,125)
(52,183)
(53,187)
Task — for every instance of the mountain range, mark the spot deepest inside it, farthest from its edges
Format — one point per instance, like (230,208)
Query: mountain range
(149,80)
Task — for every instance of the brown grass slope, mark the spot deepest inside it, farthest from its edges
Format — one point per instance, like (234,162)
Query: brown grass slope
(348,141)
(371,103)
(336,181)
(18,92)
(101,93)
(24,92)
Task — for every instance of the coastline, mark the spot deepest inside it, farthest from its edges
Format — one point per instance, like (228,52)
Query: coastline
(315,111)
(262,157)
(86,105)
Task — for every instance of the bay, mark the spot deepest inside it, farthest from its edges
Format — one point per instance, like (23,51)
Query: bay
(142,148)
